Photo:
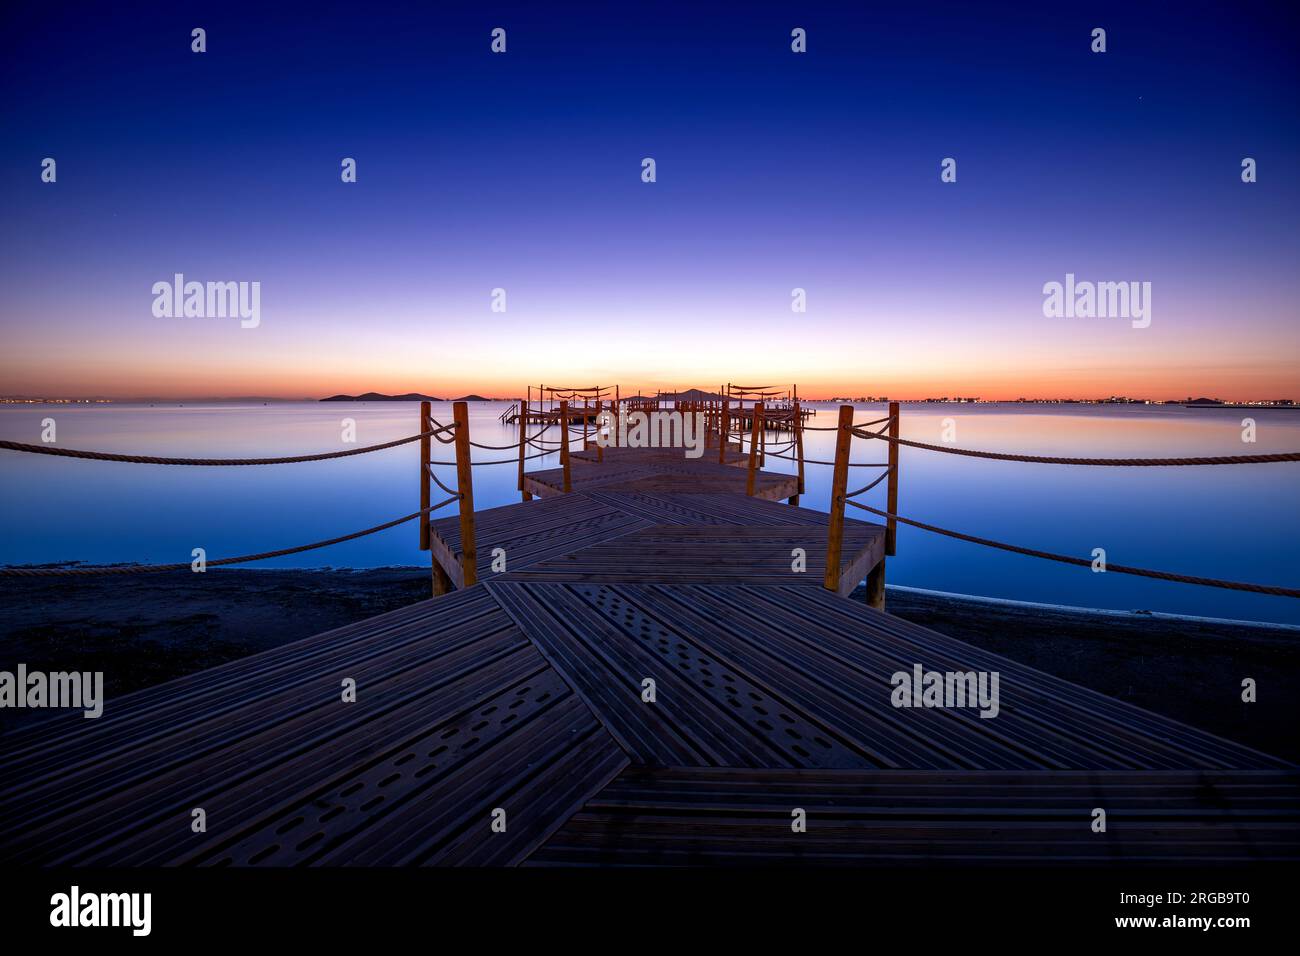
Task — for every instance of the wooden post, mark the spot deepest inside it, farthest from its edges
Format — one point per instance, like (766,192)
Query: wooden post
(523,448)
(724,432)
(876,586)
(798,450)
(442,583)
(839,487)
(465,485)
(424,478)
(757,412)
(891,529)
(617,402)
(564,445)
(600,446)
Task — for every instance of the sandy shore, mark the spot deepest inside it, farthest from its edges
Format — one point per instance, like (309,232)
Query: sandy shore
(141,630)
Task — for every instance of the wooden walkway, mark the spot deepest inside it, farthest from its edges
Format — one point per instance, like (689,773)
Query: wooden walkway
(524,700)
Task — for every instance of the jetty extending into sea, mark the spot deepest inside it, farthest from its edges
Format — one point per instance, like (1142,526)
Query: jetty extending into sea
(650,659)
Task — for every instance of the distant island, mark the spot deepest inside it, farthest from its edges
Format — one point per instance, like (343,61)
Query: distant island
(380,397)
(472,398)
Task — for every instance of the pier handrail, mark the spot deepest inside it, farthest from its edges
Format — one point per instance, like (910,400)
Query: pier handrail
(463,493)
(1084,562)
(841,496)
(211,462)
(217,562)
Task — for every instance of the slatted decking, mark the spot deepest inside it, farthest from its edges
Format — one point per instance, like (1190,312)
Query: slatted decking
(672,538)
(642,470)
(529,694)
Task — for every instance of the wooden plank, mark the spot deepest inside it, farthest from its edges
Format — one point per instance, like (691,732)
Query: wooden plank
(709,816)
(606,666)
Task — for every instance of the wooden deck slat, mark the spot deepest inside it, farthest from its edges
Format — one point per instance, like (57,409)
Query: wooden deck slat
(712,554)
(705,816)
(208,715)
(1165,742)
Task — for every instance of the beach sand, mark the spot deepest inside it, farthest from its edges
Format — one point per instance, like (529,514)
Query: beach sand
(143,629)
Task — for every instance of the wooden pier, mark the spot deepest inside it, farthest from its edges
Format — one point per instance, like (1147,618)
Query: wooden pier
(653,663)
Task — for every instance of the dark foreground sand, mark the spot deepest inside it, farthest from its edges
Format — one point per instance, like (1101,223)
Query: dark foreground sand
(140,630)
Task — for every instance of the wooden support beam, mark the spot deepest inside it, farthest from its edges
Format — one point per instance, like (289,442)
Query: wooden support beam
(441,581)
(798,444)
(724,432)
(425,500)
(600,446)
(876,586)
(465,486)
(523,449)
(564,446)
(755,433)
(891,498)
(839,488)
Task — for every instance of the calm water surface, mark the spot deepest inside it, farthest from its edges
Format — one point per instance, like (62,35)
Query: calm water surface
(1236,522)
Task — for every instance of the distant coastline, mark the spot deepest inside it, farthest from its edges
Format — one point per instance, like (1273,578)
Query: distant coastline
(408,397)
(1280,403)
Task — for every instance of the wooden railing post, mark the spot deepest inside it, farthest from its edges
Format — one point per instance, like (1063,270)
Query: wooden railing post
(798,449)
(891,529)
(425,457)
(564,445)
(465,486)
(724,432)
(600,446)
(755,432)
(523,446)
(839,487)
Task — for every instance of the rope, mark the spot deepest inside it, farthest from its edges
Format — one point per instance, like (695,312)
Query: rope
(862,433)
(1050,460)
(499,461)
(434,475)
(151,460)
(138,568)
(818,461)
(1084,562)
(853,494)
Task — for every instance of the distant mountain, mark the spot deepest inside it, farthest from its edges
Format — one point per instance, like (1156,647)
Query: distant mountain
(380,397)
(471,398)
(693,395)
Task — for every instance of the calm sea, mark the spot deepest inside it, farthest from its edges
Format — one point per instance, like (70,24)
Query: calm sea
(1236,522)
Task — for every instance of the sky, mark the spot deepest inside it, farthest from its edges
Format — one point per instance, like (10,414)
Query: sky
(522,171)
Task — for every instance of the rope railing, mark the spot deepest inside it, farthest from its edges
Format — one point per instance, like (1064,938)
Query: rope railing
(841,497)
(1084,562)
(242,559)
(1105,462)
(205,462)
(846,431)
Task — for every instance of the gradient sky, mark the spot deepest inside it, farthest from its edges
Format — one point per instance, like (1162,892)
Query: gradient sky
(775,170)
